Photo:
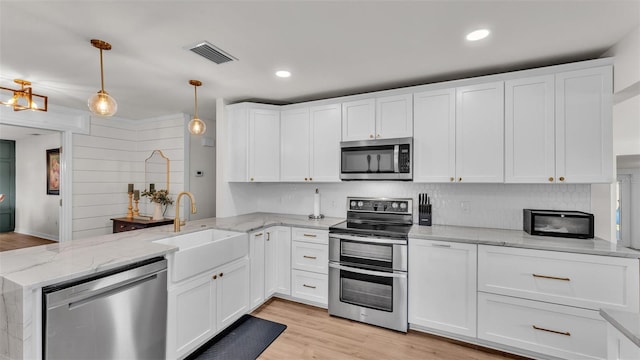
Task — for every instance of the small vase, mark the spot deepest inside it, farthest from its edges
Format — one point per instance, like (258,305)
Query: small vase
(157,212)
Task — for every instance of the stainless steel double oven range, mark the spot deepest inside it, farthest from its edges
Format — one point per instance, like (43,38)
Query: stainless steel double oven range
(368,262)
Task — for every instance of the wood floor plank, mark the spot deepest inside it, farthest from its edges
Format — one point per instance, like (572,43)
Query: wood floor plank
(13,241)
(313,334)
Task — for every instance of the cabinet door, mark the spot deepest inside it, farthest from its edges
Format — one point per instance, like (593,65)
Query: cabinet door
(584,130)
(257,255)
(359,120)
(394,116)
(325,143)
(233,292)
(434,136)
(191,316)
(480,133)
(443,286)
(530,130)
(278,261)
(238,145)
(294,152)
(264,149)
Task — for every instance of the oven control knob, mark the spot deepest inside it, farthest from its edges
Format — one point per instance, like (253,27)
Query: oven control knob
(360,203)
(394,205)
(353,204)
(403,205)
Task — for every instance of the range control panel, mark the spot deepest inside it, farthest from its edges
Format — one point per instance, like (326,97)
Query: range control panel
(380,205)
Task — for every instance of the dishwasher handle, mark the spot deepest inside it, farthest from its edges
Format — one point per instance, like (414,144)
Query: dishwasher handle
(110,281)
(108,291)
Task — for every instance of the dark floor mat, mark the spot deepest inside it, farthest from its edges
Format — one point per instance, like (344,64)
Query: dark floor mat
(245,339)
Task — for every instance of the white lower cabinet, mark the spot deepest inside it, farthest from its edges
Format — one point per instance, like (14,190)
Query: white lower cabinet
(256,254)
(551,329)
(310,265)
(201,307)
(277,261)
(442,286)
(619,347)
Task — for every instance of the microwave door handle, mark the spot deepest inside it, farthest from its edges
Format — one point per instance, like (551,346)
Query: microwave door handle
(396,152)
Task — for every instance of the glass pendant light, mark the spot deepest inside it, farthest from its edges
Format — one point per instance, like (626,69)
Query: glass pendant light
(102,103)
(196,126)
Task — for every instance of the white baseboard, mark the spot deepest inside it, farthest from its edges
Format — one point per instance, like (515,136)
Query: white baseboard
(37,234)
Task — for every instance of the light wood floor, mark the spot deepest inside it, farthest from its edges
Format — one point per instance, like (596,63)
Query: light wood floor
(312,334)
(12,241)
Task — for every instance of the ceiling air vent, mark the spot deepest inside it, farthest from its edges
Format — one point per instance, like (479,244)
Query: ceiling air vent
(208,51)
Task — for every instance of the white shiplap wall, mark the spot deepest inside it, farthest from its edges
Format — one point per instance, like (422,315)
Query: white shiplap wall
(110,157)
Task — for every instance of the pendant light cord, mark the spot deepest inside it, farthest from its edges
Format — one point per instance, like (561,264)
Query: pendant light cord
(101,72)
(195,91)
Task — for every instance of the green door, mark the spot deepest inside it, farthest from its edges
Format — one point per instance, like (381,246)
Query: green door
(8,185)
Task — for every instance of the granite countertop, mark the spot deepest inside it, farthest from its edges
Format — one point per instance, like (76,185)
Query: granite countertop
(628,323)
(520,239)
(44,265)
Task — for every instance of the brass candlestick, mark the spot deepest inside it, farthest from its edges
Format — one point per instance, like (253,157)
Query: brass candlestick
(129,212)
(136,212)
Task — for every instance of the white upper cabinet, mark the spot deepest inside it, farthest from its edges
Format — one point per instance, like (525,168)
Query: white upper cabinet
(264,140)
(558,128)
(394,117)
(480,133)
(584,129)
(378,118)
(530,130)
(325,143)
(253,143)
(434,136)
(359,120)
(296,137)
(310,144)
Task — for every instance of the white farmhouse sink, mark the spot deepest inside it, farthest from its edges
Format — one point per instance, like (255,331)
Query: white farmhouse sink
(204,250)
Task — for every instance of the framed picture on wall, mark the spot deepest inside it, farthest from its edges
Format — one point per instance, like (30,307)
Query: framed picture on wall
(53,172)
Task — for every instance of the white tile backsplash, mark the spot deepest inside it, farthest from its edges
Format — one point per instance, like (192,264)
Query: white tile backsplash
(479,205)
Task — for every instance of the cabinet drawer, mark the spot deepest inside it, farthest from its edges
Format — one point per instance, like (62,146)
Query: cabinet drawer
(555,330)
(310,257)
(310,286)
(587,281)
(310,235)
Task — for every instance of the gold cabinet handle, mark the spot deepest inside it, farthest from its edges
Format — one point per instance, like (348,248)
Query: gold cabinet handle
(370,136)
(221,274)
(309,286)
(459,179)
(268,236)
(551,277)
(565,333)
(452,179)
(215,277)
(379,136)
(305,179)
(561,178)
(251,179)
(309,257)
(259,234)
(310,179)
(309,235)
(550,178)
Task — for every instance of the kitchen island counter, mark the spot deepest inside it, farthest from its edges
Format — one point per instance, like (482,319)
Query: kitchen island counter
(520,239)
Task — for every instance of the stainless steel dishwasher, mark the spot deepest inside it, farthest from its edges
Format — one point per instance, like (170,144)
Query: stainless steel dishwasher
(119,314)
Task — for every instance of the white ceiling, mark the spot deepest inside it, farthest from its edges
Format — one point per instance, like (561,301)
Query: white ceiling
(332,48)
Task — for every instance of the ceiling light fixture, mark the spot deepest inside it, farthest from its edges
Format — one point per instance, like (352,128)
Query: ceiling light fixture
(196,126)
(102,103)
(23,98)
(283,73)
(477,35)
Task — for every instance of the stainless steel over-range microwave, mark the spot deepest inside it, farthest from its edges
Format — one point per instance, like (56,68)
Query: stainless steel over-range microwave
(385,159)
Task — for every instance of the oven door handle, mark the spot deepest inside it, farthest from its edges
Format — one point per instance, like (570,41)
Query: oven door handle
(368,239)
(394,274)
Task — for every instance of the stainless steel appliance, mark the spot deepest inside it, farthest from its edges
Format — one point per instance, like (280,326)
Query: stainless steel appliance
(119,314)
(387,159)
(368,262)
(573,224)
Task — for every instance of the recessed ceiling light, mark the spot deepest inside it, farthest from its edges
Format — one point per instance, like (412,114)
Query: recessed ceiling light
(477,35)
(283,73)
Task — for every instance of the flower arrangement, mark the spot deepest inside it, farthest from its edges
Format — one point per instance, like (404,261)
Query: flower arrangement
(158,196)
